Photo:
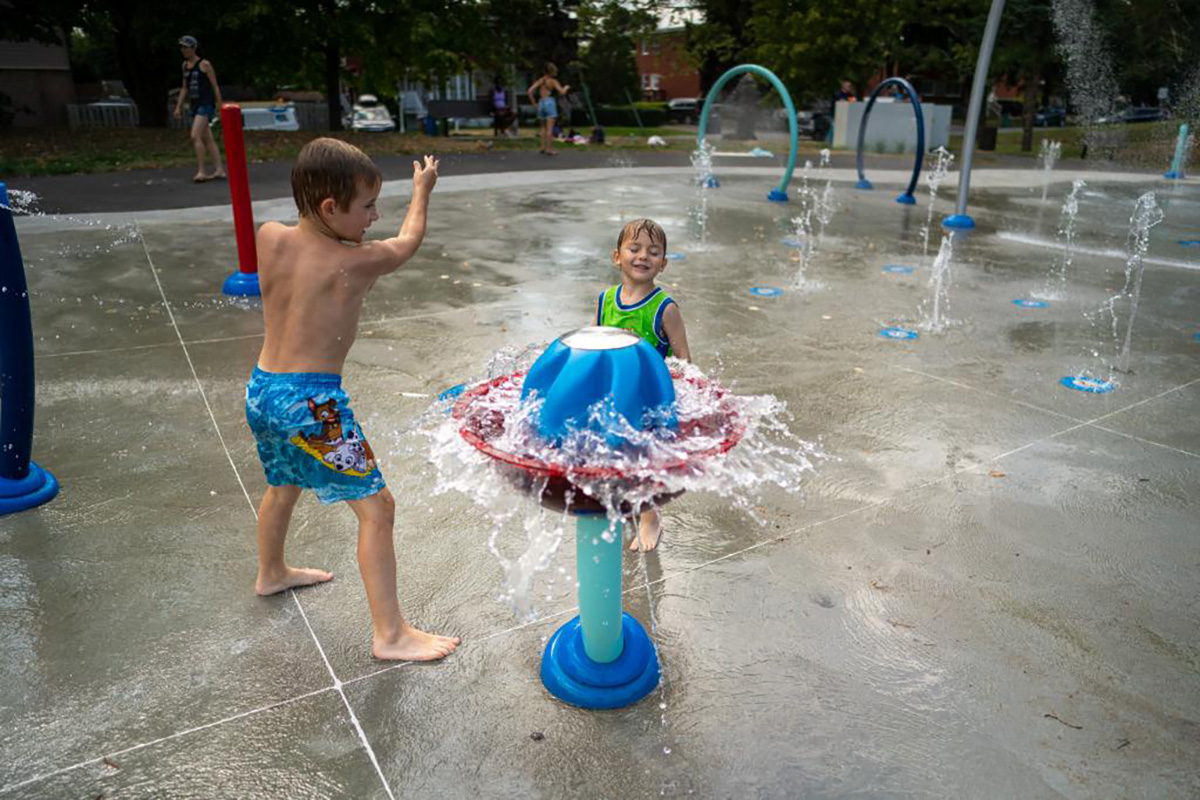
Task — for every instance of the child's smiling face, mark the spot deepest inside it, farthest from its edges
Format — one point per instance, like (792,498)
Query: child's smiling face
(640,258)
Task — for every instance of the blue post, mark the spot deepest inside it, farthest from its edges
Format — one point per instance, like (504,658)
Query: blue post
(23,484)
(907,198)
(779,193)
(960,218)
(598,571)
(1178,163)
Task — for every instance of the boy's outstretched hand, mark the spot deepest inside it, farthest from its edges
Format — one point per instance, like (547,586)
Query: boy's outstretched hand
(424,177)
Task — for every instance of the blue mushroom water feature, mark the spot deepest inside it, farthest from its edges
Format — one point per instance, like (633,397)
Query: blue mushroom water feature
(609,386)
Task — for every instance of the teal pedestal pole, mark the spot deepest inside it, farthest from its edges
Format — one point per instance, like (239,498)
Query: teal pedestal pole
(603,658)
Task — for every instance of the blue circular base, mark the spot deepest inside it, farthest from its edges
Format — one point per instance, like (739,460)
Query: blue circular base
(1023,303)
(1091,385)
(906,199)
(766,291)
(39,486)
(569,675)
(1173,175)
(963,221)
(711,182)
(676,256)
(776,196)
(899,333)
(897,269)
(242,284)
(792,241)
(1189,242)
(863,183)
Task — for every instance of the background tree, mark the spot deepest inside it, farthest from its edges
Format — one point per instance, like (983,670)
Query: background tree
(607,59)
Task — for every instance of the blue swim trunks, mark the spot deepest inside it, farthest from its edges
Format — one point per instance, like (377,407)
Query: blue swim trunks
(307,435)
(547,108)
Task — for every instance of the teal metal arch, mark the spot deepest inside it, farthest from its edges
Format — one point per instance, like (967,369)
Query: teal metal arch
(779,193)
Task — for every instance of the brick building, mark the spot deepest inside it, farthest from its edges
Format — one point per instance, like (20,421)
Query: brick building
(664,68)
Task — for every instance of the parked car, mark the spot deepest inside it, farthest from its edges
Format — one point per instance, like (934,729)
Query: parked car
(368,114)
(1052,117)
(683,109)
(814,124)
(1137,114)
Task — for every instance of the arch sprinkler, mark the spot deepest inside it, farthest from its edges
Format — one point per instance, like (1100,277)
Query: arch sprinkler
(906,198)
(779,193)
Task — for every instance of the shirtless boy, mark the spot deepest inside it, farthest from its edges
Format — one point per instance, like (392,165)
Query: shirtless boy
(314,277)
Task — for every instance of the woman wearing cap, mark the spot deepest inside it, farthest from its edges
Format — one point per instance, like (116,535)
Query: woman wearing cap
(204,97)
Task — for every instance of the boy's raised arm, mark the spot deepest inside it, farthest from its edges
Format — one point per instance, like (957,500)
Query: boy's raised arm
(390,254)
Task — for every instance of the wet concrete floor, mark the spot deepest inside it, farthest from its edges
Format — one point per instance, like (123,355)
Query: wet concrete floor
(989,590)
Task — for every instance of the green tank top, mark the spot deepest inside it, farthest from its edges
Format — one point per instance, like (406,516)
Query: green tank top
(644,318)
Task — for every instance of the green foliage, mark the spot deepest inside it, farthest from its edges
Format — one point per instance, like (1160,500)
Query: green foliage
(607,61)
(623,116)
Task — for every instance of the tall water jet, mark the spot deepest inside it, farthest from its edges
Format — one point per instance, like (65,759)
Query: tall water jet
(1146,214)
(1055,287)
(942,159)
(1048,156)
(825,203)
(935,306)
(1090,78)
(701,159)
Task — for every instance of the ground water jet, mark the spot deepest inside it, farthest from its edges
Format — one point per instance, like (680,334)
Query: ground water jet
(933,308)
(942,160)
(1055,287)
(1048,156)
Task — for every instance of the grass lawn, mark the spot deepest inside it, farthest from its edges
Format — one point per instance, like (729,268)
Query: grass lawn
(25,153)
(1144,144)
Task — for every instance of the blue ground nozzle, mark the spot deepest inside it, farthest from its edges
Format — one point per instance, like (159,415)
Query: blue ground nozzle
(1024,303)
(776,196)
(598,364)
(863,183)
(906,199)
(242,284)
(711,182)
(1082,383)
(960,221)
(766,291)
(898,333)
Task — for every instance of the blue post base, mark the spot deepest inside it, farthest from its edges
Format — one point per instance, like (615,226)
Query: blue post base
(569,675)
(863,183)
(711,182)
(1173,175)
(776,196)
(907,199)
(242,284)
(38,487)
(961,221)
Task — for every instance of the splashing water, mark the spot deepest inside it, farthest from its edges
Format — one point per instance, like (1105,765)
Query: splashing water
(942,160)
(826,203)
(768,454)
(24,203)
(1055,287)
(802,231)
(1146,214)
(1048,155)
(1090,78)
(701,159)
(933,308)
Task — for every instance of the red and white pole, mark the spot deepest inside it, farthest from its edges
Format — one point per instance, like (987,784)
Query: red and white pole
(244,282)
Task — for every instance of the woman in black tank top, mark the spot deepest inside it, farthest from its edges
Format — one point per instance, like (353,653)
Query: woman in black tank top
(204,98)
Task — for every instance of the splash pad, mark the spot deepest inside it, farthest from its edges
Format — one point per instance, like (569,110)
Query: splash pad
(602,386)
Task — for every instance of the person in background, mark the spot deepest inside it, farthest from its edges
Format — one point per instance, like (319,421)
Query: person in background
(204,98)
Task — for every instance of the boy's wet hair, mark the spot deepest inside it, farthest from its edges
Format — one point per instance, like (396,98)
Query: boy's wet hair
(647,226)
(330,168)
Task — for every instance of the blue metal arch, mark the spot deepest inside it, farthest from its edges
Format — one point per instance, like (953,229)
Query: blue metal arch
(779,193)
(906,198)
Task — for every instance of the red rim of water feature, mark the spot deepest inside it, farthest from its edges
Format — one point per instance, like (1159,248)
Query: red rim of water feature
(480,429)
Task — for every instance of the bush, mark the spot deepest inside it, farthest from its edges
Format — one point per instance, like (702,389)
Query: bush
(623,116)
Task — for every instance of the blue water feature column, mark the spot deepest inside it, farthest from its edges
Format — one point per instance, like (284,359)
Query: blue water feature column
(907,197)
(779,193)
(979,88)
(602,658)
(1177,163)
(23,484)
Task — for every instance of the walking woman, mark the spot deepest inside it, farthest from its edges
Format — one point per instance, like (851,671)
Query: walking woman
(204,98)
(547,109)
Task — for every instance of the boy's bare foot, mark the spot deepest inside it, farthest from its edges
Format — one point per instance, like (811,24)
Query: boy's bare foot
(291,578)
(414,645)
(649,530)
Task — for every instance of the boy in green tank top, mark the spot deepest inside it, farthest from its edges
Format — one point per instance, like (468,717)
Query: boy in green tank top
(638,305)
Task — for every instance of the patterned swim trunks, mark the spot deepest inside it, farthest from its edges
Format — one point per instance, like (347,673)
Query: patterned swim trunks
(307,435)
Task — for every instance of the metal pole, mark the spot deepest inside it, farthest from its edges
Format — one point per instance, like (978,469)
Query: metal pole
(979,89)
